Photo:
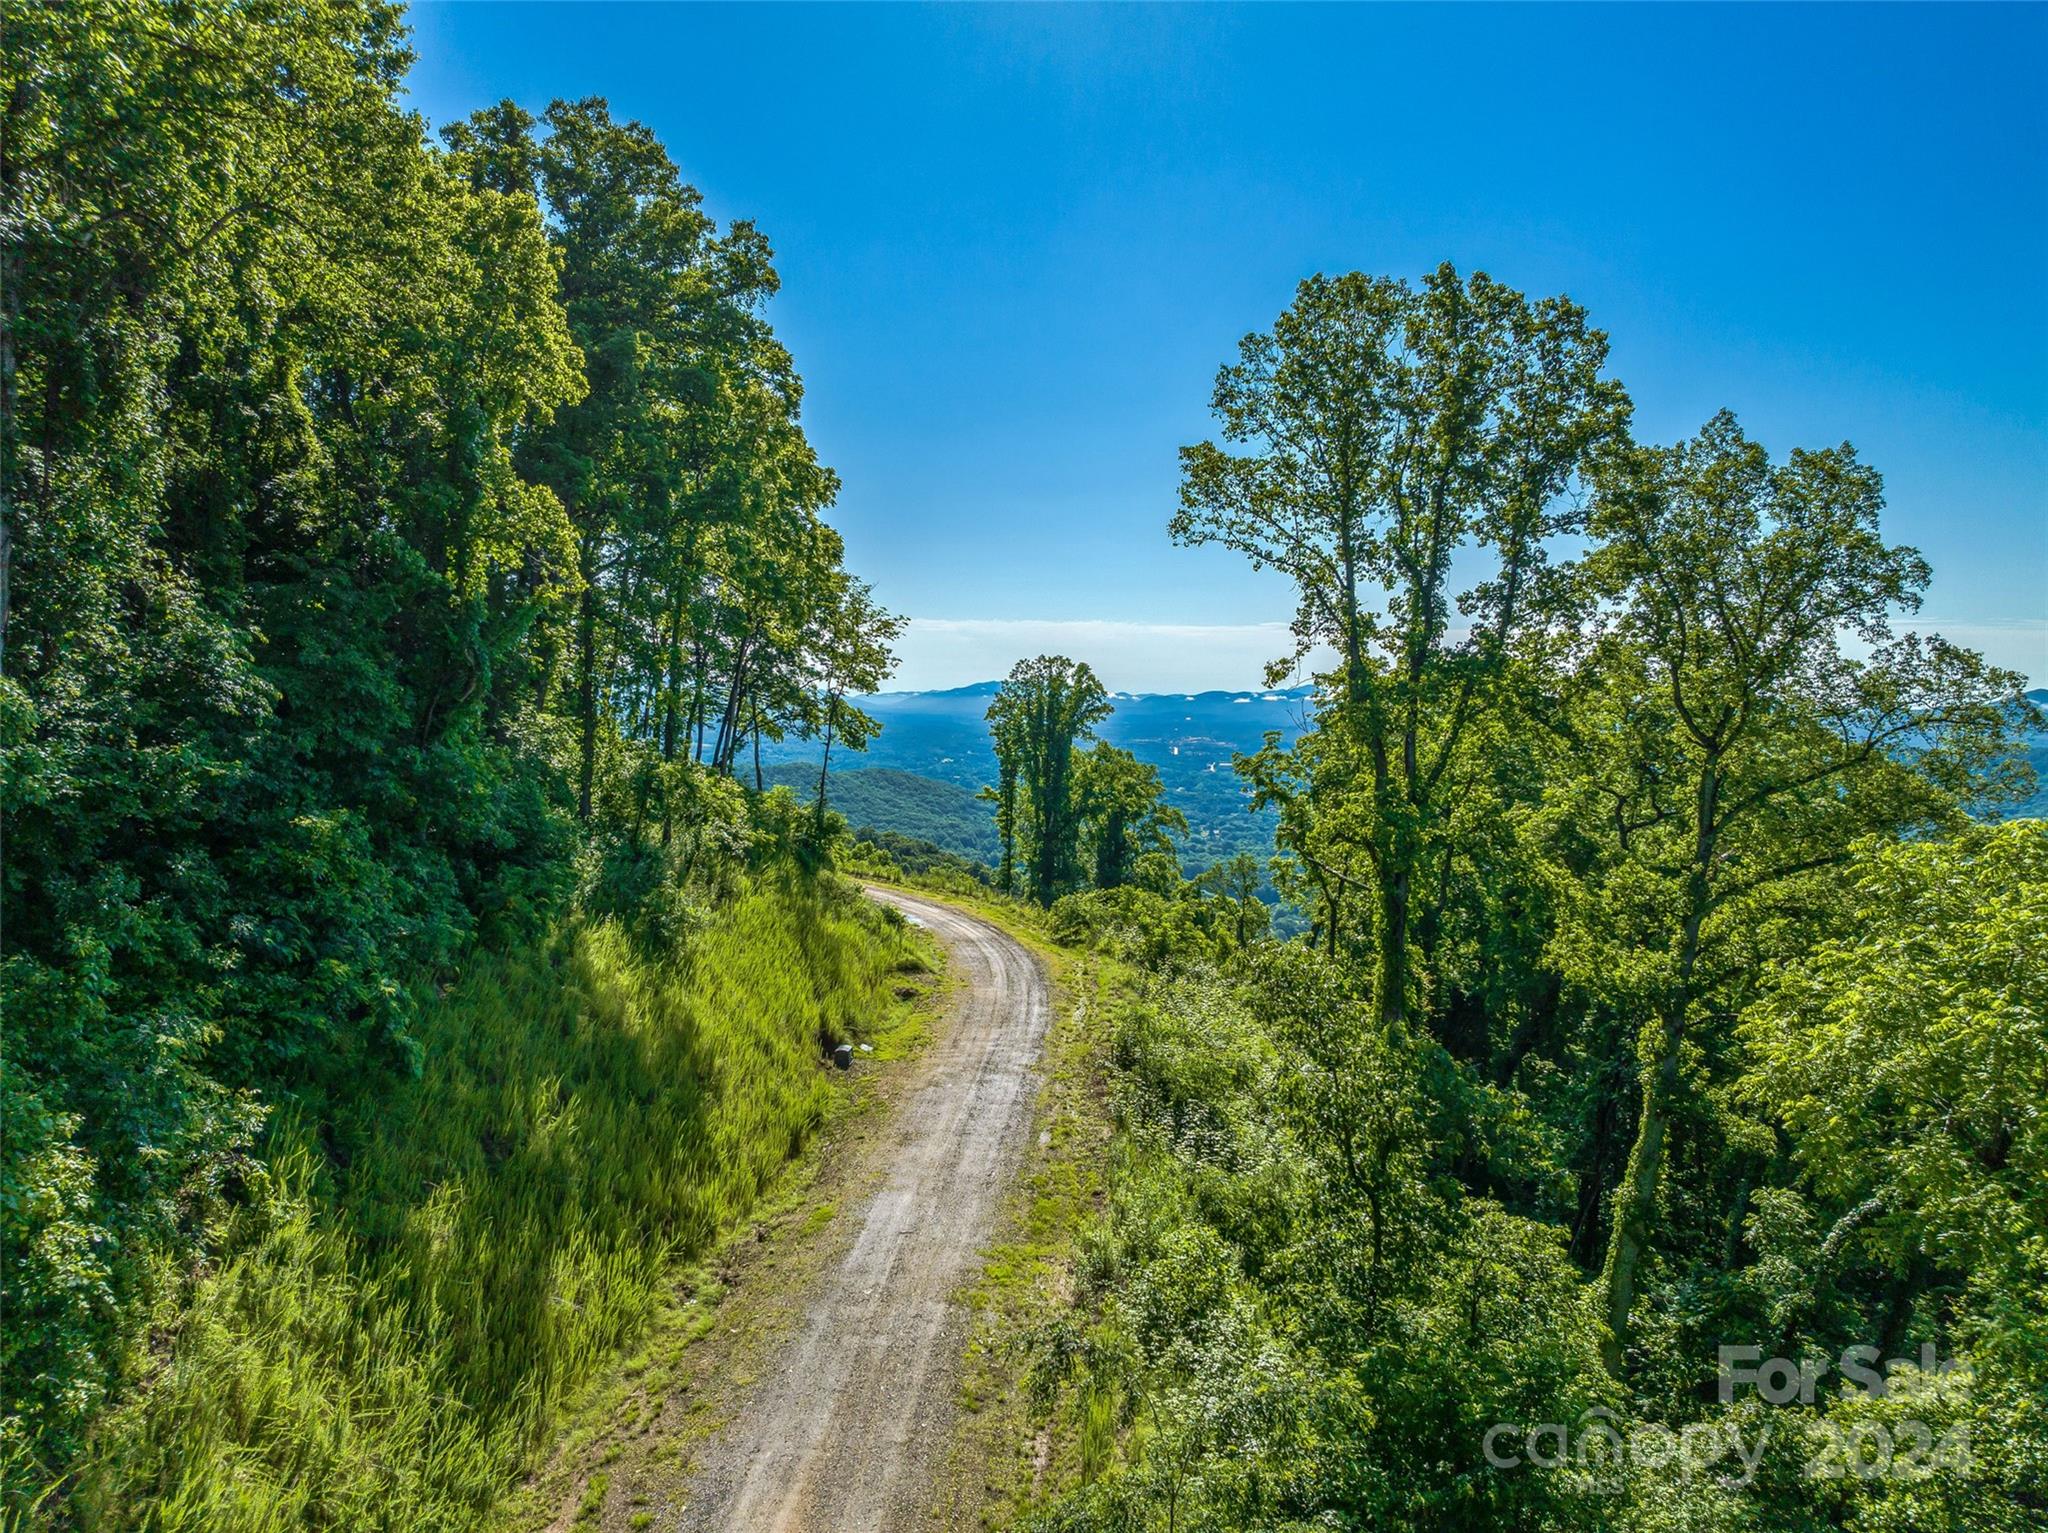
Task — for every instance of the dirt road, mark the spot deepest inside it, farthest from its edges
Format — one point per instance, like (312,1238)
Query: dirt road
(841,1433)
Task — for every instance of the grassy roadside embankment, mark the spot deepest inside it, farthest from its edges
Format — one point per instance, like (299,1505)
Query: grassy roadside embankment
(410,1293)
(625,1458)
(624,1447)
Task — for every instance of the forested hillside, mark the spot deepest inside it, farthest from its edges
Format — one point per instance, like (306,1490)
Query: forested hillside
(1644,1134)
(885,799)
(402,544)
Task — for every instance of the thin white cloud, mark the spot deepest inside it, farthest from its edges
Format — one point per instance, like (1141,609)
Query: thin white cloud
(2018,644)
(1231,657)
(1129,657)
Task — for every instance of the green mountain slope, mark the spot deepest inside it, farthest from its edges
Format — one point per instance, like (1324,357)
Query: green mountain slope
(887,798)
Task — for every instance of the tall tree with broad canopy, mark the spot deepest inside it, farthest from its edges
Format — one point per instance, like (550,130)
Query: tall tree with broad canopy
(691,402)
(1046,707)
(1384,431)
(1123,811)
(1736,742)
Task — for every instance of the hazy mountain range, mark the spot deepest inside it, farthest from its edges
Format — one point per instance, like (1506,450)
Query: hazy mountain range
(921,773)
(943,736)
(2037,752)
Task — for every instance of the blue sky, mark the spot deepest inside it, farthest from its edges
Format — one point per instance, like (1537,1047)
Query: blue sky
(1016,243)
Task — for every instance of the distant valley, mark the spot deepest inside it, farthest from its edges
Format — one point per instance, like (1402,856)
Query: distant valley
(2037,753)
(933,755)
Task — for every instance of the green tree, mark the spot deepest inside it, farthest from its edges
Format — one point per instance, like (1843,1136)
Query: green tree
(711,591)
(655,456)
(1908,1059)
(366,511)
(1734,743)
(1323,832)
(1123,812)
(853,655)
(1046,707)
(1389,430)
(1006,727)
(267,363)
(1236,882)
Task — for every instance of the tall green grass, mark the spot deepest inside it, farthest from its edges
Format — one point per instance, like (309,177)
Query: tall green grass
(409,1292)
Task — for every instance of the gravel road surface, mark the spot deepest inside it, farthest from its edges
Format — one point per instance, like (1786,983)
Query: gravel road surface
(841,1433)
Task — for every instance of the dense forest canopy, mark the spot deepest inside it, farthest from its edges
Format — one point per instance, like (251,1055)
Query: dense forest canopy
(403,544)
(1665,999)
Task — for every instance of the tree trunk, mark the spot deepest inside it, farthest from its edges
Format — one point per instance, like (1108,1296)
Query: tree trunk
(10,307)
(695,726)
(11,271)
(1007,816)
(586,671)
(825,762)
(1393,985)
(672,683)
(1635,1201)
(727,744)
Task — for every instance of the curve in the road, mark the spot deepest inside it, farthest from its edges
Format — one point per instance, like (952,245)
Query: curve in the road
(842,1434)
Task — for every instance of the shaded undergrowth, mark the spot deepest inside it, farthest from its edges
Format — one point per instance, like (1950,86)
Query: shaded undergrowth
(409,1290)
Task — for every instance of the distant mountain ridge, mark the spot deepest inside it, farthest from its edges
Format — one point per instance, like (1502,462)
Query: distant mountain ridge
(1190,737)
(933,754)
